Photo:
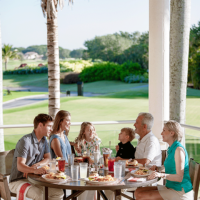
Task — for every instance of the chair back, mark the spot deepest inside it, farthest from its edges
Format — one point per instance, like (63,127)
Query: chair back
(194,170)
(164,155)
(6,158)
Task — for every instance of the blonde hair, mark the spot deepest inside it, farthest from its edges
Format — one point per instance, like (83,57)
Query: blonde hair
(81,137)
(130,132)
(174,126)
(62,114)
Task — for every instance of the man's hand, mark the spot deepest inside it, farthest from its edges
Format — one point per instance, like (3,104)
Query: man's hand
(40,171)
(117,148)
(34,166)
(118,158)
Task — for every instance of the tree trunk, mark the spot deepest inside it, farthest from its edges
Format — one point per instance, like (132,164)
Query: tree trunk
(179,48)
(6,65)
(53,66)
(1,100)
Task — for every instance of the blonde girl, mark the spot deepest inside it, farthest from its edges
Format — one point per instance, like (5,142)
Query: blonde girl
(87,139)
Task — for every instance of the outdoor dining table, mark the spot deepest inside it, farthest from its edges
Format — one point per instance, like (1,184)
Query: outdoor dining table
(78,187)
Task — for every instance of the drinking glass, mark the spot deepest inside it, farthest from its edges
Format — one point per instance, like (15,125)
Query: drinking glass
(71,159)
(111,161)
(117,170)
(106,155)
(96,156)
(83,170)
(74,172)
(61,164)
(86,157)
(123,163)
(52,164)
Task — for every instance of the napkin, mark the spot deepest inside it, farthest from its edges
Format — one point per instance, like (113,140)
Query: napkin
(133,179)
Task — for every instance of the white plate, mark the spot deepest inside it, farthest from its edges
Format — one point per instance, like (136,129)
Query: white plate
(55,180)
(137,175)
(139,165)
(102,182)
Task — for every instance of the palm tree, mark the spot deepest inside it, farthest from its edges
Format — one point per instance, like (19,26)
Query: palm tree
(49,8)
(1,99)
(179,50)
(7,54)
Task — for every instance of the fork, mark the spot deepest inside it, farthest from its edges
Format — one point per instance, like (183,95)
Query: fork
(125,177)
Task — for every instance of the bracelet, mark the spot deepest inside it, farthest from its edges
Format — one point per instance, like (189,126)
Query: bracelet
(164,176)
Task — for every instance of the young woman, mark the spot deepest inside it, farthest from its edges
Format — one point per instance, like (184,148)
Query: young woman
(87,139)
(178,182)
(59,143)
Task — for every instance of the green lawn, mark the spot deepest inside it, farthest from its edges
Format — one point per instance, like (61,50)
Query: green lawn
(16,63)
(16,94)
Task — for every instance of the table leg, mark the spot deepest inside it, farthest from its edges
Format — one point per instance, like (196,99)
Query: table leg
(74,191)
(98,196)
(117,194)
(45,193)
(102,194)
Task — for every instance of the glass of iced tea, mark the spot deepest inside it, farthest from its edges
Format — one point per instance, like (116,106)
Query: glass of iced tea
(61,165)
(111,162)
(86,157)
(106,154)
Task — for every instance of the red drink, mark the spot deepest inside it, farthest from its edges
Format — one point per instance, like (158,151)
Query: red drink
(111,164)
(86,159)
(61,165)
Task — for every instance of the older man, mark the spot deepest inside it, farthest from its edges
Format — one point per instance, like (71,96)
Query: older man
(32,152)
(148,148)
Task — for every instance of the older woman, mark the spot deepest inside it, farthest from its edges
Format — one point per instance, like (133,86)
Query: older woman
(178,182)
(59,143)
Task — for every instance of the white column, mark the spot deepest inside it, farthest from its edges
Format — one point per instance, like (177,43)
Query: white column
(1,98)
(159,24)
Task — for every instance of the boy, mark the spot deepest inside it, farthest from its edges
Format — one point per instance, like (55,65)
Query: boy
(125,149)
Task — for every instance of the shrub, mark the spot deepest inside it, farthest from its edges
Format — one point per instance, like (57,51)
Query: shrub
(71,77)
(110,71)
(136,79)
(27,70)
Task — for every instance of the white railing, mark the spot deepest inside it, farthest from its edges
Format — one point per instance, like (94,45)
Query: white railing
(72,124)
(95,123)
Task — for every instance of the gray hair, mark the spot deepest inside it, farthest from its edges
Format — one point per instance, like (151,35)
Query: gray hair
(147,119)
(174,126)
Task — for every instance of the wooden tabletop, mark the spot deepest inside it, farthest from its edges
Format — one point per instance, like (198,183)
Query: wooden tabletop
(81,185)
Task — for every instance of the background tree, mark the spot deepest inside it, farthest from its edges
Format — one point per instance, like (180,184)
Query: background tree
(7,54)
(179,50)
(77,53)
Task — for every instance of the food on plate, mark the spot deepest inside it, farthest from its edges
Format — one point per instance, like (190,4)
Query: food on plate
(78,159)
(93,176)
(132,162)
(46,167)
(141,171)
(103,178)
(57,176)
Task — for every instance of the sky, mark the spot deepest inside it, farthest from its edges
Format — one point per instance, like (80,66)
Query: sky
(23,24)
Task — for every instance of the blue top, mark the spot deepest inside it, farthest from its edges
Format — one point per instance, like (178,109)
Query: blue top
(170,168)
(65,147)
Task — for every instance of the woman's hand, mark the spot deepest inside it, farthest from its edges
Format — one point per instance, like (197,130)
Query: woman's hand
(154,175)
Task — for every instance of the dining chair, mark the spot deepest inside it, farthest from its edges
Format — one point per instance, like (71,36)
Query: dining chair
(194,170)
(6,158)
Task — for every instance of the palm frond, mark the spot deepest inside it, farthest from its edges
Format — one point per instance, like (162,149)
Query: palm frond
(49,7)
